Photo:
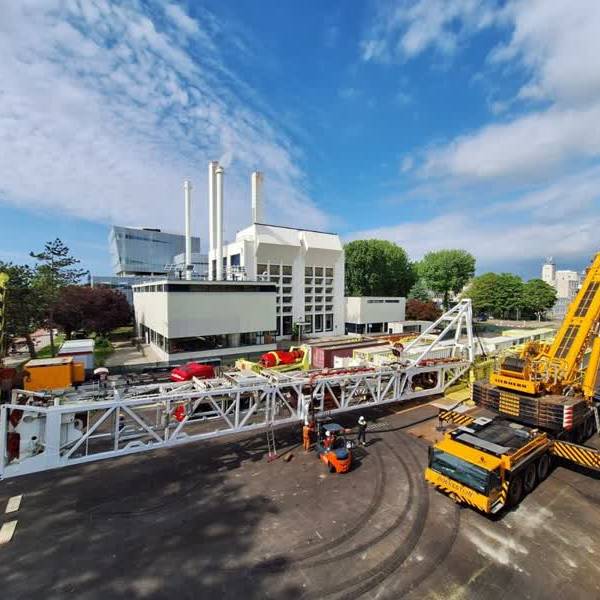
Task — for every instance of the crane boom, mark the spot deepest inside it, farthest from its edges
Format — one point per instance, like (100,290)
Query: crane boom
(556,368)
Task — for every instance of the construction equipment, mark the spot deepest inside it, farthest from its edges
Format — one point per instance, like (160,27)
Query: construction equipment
(333,448)
(190,370)
(280,361)
(127,420)
(543,405)
(52,373)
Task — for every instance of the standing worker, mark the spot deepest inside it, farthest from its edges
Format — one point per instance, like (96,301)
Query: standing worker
(307,433)
(362,431)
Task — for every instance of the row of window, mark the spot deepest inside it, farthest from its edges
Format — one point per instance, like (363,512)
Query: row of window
(387,301)
(318,271)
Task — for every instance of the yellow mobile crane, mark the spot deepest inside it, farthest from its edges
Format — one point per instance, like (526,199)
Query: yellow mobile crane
(543,405)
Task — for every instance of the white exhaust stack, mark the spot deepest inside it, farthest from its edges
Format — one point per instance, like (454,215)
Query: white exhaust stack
(212,216)
(219,173)
(257,181)
(187,192)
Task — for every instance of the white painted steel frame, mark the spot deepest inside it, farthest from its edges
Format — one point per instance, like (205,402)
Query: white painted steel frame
(145,418)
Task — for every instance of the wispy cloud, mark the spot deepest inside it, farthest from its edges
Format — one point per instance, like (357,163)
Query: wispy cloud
(105,107)
(402,29)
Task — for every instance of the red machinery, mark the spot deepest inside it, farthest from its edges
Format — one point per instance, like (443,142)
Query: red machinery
(281,357)
(192,369)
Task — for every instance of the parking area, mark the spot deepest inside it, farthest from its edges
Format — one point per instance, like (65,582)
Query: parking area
(219,520)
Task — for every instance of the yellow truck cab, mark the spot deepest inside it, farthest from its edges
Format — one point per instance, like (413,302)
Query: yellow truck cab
(490,463)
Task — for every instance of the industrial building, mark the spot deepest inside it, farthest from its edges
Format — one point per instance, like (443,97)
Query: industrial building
(307,267)
(373,314)
(201,319)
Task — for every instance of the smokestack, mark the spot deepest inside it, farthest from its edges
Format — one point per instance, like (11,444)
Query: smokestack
(257,181)
(219,172)
(187,193)
(212,220)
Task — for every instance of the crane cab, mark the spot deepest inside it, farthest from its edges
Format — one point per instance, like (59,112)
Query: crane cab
(489,464)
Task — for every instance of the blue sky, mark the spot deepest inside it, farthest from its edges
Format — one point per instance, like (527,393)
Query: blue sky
(471,123)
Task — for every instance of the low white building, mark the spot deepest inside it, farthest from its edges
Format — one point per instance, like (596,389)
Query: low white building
(373,314)
(202,319)
(81,350)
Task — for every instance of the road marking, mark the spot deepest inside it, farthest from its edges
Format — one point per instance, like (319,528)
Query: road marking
(14,504)
(7,531)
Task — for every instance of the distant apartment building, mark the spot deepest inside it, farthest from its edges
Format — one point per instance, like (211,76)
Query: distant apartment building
(565,282)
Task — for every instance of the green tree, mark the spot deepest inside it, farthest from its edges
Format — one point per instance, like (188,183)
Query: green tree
(482,291)
(509,295)
(500,295)
(56,268)
(23,313)
(538,297)
(419,291)
(447,271)
(377,268)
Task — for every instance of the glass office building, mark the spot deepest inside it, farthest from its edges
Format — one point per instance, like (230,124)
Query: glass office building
(145,252)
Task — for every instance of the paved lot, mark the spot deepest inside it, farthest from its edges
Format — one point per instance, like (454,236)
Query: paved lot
(219,521)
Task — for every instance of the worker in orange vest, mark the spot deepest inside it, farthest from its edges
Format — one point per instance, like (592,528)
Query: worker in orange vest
(307,434)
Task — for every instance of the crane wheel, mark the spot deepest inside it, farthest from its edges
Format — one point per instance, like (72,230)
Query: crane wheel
(515,490)
(543,467)
(530,478)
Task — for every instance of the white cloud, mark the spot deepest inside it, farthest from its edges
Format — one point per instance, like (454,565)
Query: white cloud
(403,29)
(557,44)
(528,147)
(489,241)
(104,112)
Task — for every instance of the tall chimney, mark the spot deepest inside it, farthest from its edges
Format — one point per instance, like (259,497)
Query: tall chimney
(212,217)
(219,172)
(187,193)
(257,181)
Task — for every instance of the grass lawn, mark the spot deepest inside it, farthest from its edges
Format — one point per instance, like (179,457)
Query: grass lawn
(46,352)
(102,350)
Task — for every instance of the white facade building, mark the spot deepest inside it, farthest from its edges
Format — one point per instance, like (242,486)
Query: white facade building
(307,267)
(195,319)
(373,314)
(565,282)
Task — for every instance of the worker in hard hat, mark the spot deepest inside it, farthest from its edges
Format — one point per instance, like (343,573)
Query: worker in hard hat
(307,435)
(362,431)
(328,441)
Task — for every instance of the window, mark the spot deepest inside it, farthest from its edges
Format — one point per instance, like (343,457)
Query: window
(308,281)
(374,301)
(459,470)
(308,271)
(278,325)
(286,270)
(286,290)
(318,271)
(329,272)
(328,298)
(329,307)
(287,325)
(308,308)
(318,298)
(318,290)
(392,301)
(287,309)
(308,327)
(307,299)
(287,280)
(274,270)
(329,322)
(261,269)
(318,322)
(329,290)
(287,299)
(318,308)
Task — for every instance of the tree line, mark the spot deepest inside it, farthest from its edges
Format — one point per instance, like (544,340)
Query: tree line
(382,268)
(49,295)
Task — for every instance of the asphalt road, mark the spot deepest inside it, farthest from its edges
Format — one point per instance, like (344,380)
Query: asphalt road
(219,521)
